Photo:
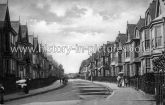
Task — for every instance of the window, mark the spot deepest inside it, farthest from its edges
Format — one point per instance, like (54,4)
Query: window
(147,65)
(142,46)
(148,19)
(147,40)
(158,36)
(137,46)
(137,34)
(158,10)
(120,56)
(152,37)
(127,51)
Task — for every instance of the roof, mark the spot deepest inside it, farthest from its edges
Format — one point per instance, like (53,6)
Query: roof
(24,30)
(141,23)
(130,30)
(121,38)
(15,25)
(3,9)
(152,9)
(31,38)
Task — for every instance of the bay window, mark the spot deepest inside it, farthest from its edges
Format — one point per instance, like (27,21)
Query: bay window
(158,36)
(147,40)
(152,38)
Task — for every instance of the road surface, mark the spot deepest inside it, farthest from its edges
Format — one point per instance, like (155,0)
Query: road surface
(77,92)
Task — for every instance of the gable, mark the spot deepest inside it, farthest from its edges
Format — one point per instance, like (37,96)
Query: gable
(140,24)
(24,33)
(15,25)
(3,11)
(130,31)
(151,12)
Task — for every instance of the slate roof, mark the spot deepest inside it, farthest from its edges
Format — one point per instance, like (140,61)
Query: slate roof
(3,9)
(24,30)
(15,26)
(121,38)
(141,23)
(152,9)
(130,30)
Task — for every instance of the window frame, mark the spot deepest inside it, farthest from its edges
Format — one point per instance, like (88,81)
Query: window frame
(158,38)
(148,67)
(147,40)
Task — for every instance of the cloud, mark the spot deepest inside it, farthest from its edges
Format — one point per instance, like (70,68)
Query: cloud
(70,22)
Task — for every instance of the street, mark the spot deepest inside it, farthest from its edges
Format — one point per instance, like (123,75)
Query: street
(76,92)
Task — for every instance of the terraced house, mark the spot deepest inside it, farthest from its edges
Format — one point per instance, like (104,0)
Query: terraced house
(7,39)
(119,51)
(128,49)
(142,43)
(135,62)
(16,59)
(152,35)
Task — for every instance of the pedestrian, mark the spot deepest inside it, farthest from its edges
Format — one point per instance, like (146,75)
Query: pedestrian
(118,81)
(2,91)
(60,80)
(63,80)
(126,82)
(27,85)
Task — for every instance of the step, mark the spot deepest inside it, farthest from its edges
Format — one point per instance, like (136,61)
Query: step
(95,93)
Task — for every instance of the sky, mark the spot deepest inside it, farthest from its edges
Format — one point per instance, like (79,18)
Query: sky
(67,24)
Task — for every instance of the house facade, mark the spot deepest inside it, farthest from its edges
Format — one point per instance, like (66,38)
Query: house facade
(17,58)
(143,42)
(128,49)
(119,51)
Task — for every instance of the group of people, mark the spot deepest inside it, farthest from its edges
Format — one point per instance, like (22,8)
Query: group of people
(122,82)
(63,80)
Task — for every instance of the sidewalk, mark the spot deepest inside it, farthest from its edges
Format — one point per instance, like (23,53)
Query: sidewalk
(125,96)
(19,95)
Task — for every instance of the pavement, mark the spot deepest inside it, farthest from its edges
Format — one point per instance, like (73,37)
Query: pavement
(124,96)
(19,95)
